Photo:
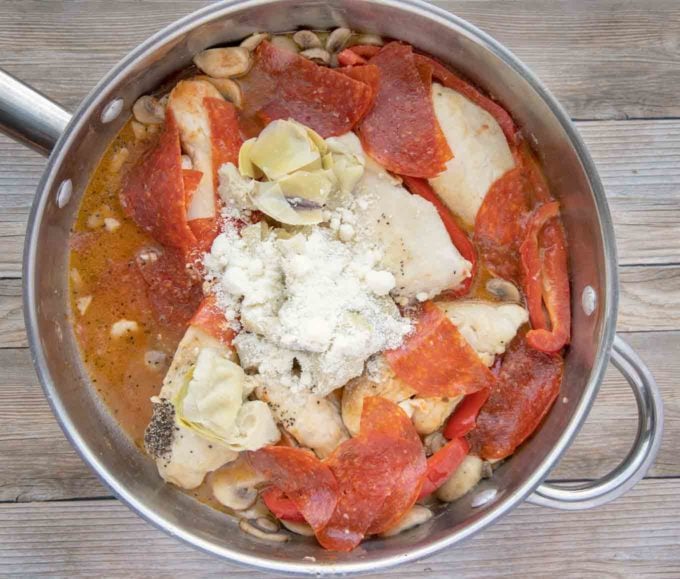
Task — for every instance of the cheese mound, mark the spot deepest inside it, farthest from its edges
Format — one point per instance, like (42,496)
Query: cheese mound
(311,309)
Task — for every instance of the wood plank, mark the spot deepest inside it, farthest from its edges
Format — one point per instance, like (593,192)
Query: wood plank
(37,463)
(639,162)
(637,533)
(12,332)
(602,59)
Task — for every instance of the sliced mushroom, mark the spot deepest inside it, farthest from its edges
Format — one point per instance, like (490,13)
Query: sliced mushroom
(285,43)
(464,479)
(318,55)
(148,110)
(228,88)
(224,62)
(504,290)
(235,485)
(337,39)
(372,39)
(306,39)
(416,516)
(298,528)
(253,528)
(434,442)
(254,40)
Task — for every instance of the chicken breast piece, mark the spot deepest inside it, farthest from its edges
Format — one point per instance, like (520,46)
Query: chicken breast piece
(488,327)
(378,380)
(417,248)
(313,421)
(182,457)
(481,152)
(186,102)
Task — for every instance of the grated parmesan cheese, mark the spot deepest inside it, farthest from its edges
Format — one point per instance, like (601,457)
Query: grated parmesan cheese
(311,307)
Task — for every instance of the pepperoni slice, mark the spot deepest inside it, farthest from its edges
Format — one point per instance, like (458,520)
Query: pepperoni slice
(453,81)
(365,51)
(154,197)
(500,225)
(528,383)
(368,74)
(283,85)
(379,475)
(211,319)
(436,360)
(225,133)
(303,478)
(173,292)
(401,131)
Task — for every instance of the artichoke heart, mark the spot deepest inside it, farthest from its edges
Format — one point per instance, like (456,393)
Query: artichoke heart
(269,199)
(281,148)
(209,400)
(299,172)
(211,403)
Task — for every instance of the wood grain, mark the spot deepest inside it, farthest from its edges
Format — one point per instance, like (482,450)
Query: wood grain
(636,535)
(37,463)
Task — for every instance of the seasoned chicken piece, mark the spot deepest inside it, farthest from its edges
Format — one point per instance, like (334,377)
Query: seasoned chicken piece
(182,457)
(418,250)
(429,414)
(481,152)
(378,380)
(186,102)
(488,327)
(313,421)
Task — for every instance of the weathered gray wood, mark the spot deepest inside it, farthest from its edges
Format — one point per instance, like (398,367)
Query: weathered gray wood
(12,332)
(602,58)
(636,535)
(37,463)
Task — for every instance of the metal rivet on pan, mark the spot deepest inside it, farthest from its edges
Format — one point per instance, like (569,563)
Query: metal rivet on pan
(483,497)
(64,193)
(588,300)
(111,111)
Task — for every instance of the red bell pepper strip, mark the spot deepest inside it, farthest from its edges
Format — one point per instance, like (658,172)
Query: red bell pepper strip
(281,506)
(544,263)
(442,464)
(459,238)
(464,417)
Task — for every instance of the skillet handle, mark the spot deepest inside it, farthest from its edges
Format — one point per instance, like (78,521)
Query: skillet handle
(29,116)
(640,457)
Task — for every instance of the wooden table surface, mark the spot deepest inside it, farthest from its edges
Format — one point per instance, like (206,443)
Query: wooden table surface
(615,65)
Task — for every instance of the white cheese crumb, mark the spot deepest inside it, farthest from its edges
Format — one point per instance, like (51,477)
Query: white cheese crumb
(123,327)
(422,296)
(346,232)
(380,282)
(83,303)
(154,359)
(312,307)
(186,162)
(111,224)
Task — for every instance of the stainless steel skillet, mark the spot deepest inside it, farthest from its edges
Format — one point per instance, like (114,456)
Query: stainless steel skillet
(77,143)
